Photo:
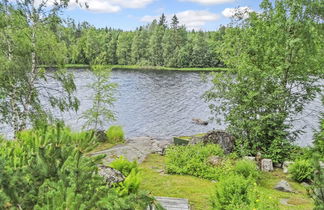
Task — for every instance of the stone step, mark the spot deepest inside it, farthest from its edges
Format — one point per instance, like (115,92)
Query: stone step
(173,203)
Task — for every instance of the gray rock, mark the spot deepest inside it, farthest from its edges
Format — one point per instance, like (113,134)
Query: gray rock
(199,121)
(135,149)
(251,158)
(286,165)
(224,139)
(284,186)
(215,160)
(266,165)
(111,175)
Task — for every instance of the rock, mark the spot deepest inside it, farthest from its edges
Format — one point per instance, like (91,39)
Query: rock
(251,158)
(196,140)
(266,165)
(199,121)
(224,139)
(283,186)
(100,135)
(278,165)
(305,184)
(286,165)
(112,176)
(215,160)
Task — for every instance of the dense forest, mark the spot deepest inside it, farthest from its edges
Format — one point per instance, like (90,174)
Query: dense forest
(156,44)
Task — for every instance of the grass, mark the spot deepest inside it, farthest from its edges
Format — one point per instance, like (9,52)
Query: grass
(198,190)
(136,67)
(195,189)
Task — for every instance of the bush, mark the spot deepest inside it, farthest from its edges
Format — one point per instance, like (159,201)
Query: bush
(301,170)
(247,169)
(115,134)
(279,150)
(50,169)
(237,192)
(124,166)
(131,171)
(193,160)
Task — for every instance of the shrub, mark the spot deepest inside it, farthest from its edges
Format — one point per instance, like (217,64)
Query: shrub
(247,169)
(193,160)
(115,134)
(237,192)
(131,171)
(50,169)
(301,170)
(124,166)
(279,150)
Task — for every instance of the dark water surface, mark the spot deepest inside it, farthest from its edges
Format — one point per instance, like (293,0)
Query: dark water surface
(162,104)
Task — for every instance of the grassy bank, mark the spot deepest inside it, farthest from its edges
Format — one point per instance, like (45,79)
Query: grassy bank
(161,68)
(198,190)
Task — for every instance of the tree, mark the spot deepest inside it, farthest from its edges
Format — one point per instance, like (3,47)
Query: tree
(140,47)
(24,87)
(124,47)
(155,46)
(163,21)
(102,99)
(275,61)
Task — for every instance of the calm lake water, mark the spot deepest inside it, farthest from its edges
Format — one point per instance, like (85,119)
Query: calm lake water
(162,104)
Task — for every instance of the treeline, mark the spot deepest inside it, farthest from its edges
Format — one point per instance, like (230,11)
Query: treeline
(156,44)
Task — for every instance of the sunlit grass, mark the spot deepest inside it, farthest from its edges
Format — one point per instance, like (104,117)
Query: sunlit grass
(198,190)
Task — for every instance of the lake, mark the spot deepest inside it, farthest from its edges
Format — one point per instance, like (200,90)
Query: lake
(162,104)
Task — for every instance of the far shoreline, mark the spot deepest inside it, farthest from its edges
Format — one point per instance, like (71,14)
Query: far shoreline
(143,68)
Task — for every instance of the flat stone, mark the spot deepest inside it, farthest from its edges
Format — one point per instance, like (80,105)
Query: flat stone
(284,186)
(172,203)
(286,165)
(266,165)
(135,149)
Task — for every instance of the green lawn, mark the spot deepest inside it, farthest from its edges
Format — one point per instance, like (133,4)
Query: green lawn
(198,190)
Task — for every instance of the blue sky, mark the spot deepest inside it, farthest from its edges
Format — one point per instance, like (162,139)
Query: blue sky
(129,14)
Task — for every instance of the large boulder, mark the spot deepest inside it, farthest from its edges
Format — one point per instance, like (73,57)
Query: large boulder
(224,139)
(266,165)
(111,175)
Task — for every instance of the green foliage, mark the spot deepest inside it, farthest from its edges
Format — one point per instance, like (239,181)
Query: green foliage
(275,60)
(124,166)
(193,160)
(48,169)
(247,169)
(102,99)
(301,170)
(279,150)
(131,171)
(237,192)
(115,134)
(24,86)
(317,190)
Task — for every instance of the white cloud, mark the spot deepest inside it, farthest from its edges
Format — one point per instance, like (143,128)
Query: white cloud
(190,18)
(241,12)
(131,3)
(103,6)
(210,2)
